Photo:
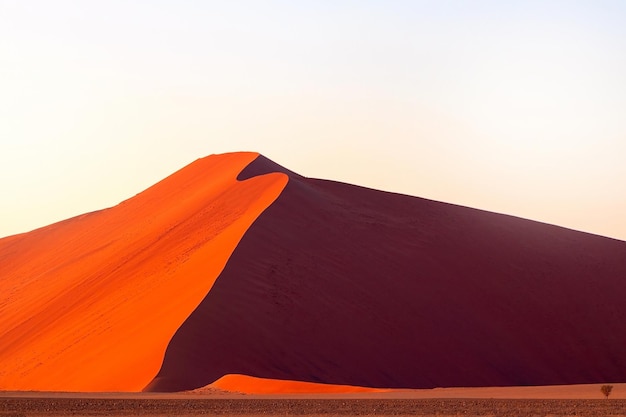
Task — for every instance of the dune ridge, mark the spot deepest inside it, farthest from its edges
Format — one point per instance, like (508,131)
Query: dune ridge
(90,303)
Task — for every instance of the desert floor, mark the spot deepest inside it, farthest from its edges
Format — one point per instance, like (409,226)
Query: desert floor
(577,400)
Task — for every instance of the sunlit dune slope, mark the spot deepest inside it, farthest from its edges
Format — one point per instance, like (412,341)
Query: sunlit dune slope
(90,303)
(241,384)
(251,385)
(339,284)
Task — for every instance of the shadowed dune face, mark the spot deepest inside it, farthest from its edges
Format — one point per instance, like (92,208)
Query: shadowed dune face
(345,285)
(90,303)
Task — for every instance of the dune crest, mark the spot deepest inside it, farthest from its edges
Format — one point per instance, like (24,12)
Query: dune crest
(90,303)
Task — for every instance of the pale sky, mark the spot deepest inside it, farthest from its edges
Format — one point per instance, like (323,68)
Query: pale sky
(512,107)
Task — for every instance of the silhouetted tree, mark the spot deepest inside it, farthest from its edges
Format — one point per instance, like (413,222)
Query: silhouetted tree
(606,390)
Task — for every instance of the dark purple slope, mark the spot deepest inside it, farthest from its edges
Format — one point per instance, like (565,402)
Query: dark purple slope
(346,285)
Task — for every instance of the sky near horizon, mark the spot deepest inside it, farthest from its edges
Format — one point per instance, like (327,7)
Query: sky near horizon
(512,107)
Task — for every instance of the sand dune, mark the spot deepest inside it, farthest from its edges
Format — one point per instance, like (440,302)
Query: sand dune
(237,274)
(344,285)
(90,303)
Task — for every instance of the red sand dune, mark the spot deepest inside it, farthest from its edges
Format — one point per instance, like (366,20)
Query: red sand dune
(344,285)
(90,303)
(234,265)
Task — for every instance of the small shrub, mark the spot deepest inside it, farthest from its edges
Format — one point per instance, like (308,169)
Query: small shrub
(606,390)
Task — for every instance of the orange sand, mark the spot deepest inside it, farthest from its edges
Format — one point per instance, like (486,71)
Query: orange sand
(233,385)
(252,385)
(90,303)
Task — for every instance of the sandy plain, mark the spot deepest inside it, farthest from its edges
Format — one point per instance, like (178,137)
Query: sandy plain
(575,400)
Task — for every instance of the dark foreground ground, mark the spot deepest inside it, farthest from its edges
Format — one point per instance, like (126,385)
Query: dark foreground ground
(309,407)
